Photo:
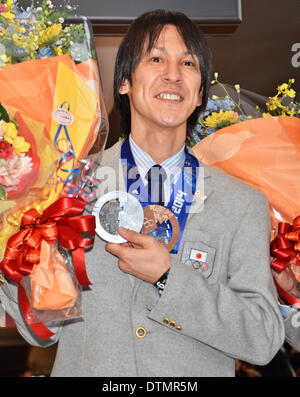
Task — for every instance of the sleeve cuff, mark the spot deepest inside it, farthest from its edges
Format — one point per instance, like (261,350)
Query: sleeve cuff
(286,310)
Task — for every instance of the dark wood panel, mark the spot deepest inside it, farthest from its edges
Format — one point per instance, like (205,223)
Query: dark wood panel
(112,18)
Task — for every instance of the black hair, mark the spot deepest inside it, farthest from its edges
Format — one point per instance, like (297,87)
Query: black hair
(148,27)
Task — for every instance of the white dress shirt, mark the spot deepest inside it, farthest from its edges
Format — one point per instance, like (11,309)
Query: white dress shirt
(173,166)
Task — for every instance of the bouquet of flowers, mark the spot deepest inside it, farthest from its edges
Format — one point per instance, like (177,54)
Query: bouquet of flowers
(223,111)
(53,132)
(16,163)
(263,150)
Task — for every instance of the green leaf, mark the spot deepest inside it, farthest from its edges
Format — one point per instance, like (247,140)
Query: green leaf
(15,123)
(2,193)
(3,114)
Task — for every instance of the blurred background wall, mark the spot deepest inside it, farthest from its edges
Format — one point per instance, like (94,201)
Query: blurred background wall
(259,55)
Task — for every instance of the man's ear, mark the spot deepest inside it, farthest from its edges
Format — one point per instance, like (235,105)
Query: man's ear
(124,89)
(200,97)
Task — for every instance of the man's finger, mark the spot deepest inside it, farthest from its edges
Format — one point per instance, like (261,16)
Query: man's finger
(135,238)
(120,250)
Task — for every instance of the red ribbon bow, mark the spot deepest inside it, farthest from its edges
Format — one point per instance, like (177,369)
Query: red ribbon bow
(59,221)
(285,249)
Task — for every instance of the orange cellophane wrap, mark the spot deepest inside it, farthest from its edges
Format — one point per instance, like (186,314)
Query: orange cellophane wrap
(52,287)
(265,153)
(38,87)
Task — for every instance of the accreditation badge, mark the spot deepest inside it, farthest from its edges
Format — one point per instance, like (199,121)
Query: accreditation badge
(116,209)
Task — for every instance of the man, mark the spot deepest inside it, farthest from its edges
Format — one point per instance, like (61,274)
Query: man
(193,309)
(290,313)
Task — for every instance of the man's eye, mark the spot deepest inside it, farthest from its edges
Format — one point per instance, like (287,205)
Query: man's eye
(156,59)
(189,63)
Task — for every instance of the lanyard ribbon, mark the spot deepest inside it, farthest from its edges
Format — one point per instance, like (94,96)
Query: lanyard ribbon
(182,193)
(67,156)
(73,173)
(59,221)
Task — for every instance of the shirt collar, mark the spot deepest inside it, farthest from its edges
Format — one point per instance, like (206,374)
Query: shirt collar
(144,162)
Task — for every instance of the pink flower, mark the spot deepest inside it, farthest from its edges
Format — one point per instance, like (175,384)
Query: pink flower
(13,169)
(2,8)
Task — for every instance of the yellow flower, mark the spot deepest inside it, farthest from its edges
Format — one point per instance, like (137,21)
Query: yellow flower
(9,132)
(291,93)
(10,4)
(8,15)
(4,60)
(282,87)
(267,115)
(20,145)
(221,119)
(50,33)
(58,51)
(10,135)
(273,103)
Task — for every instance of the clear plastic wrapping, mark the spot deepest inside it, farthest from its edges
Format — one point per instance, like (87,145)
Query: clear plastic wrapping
(52,288)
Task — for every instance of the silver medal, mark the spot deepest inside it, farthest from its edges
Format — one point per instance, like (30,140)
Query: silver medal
(116,209)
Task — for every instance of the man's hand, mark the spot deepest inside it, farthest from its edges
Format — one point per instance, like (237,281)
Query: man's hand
(143,256)
(286,280)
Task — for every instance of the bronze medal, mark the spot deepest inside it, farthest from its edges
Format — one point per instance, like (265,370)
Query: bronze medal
(156,214)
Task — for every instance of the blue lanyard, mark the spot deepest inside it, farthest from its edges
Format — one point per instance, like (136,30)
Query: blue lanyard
(182,193)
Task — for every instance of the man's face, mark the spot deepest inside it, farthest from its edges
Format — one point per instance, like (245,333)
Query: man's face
(165,85)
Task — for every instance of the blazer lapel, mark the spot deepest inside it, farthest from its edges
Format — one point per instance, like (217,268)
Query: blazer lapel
(204,189)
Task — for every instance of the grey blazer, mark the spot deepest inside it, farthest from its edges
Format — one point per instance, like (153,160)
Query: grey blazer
(292,329)
(206,317)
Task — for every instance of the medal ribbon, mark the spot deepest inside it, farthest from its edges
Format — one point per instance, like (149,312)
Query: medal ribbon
(59,221)
(188,179)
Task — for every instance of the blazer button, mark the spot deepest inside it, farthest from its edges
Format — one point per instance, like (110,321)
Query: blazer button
(140,332)
(165,320)
(172,324)
(178,327)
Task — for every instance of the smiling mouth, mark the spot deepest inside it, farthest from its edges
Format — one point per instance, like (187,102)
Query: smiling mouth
(169,97)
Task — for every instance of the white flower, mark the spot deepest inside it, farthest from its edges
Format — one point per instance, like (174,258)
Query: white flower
(237,88)
(61,20)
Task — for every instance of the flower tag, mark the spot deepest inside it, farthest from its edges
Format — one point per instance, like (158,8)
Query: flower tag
(63,116)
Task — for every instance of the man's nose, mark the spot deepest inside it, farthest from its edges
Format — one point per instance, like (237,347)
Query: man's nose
(172,72)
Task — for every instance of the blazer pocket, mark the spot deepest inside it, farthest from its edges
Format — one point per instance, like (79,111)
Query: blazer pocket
(203,256)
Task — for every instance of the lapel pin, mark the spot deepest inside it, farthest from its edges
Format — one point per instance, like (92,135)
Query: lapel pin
(200,195)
